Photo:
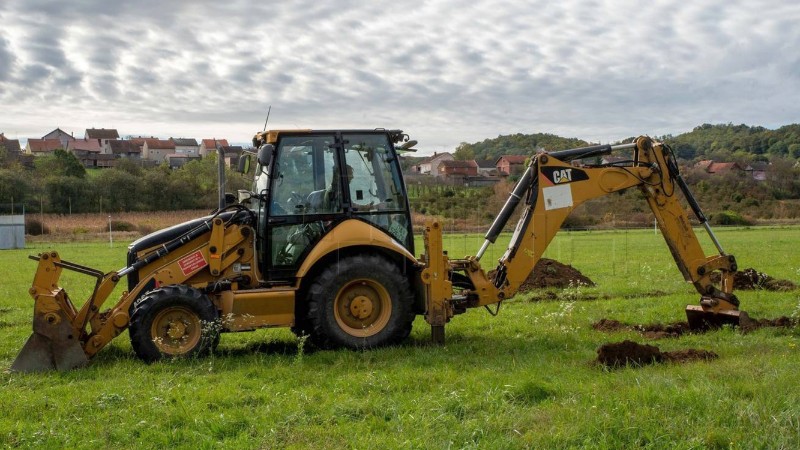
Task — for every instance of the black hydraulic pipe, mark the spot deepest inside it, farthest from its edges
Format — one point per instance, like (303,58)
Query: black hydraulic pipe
(581,152)
(511,204)
(169,247)
(674,173)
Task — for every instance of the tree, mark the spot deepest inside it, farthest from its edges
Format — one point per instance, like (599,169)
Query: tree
(117,190)
(67,194)
(60,162)
(14,186)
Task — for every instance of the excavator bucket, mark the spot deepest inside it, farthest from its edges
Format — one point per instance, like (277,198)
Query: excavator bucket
(701,317)
(54,345)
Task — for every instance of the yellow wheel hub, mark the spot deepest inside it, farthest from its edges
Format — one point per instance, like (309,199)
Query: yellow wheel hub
(176,330)
(362,307)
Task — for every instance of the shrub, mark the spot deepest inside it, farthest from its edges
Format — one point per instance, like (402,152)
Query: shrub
(728,217)
(34,227)
(121,225)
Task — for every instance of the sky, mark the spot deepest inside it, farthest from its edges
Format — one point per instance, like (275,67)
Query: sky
(444,71)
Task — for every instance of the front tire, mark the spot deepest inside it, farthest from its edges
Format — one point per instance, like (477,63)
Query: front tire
(363,301)
(173,322)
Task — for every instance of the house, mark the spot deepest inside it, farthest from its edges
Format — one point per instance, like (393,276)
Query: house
(103,137)
(41,147)
(186,146)
(452,169)
(211,145)
(510,164)
(157,149)
(14,151)
(710,166)
(232,154)
(430,165)
(125,149)
(85,150)
(61,135)
(95,160)
(757,170)
(486,167)
(11,145)
(178,160)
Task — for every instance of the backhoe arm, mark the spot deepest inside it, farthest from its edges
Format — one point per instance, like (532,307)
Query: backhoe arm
(551,188)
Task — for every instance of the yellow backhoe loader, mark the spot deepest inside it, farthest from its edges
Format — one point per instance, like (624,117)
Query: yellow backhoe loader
(323,244)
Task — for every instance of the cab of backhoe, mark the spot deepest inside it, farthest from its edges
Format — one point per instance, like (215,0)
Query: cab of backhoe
(308,182)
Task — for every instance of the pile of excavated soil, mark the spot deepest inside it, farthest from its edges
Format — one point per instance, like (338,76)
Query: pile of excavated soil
(550,273)
(627,352)
(750,279)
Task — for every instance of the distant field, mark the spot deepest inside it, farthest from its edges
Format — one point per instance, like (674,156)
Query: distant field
(524,379)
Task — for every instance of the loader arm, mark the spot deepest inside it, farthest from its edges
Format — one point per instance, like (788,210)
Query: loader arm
(551,188)
(65,337)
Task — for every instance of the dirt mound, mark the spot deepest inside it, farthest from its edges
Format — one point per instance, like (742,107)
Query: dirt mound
(627,352)
(609,325)
(751,279)
(550,273)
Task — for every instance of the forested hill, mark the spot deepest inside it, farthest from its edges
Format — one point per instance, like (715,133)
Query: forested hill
(515,144)
(721,142)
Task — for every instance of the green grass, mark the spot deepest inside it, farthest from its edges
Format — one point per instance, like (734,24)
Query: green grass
(520,380)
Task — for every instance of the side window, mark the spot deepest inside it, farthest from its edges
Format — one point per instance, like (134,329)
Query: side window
(304,181)
(375,184)
(303,185)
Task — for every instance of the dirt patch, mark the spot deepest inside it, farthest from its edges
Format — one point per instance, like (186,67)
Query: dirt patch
(780,322)
(751,279)
(650,331)
(689,354)
(677,329)
(550,273)
(627,352)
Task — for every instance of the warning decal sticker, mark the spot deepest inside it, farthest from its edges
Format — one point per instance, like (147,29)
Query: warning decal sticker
(557,197)
(192,262)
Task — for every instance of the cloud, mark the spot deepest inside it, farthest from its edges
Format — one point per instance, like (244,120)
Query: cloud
(443,70)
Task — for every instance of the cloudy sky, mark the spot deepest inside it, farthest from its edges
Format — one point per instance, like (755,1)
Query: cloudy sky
(445,71)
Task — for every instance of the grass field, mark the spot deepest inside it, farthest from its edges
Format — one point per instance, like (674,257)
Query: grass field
(524,379)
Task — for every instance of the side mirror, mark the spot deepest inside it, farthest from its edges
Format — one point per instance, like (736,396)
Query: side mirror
(265,154)
(244,164)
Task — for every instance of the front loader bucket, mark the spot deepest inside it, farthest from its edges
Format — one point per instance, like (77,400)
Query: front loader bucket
(705,318)
(54,345)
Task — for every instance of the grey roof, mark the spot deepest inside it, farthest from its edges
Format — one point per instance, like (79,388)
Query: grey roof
(485,163)
(185,142)
(122,147)
(102,133)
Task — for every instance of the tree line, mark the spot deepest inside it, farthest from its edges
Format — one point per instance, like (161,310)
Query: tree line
(722,142)
(58,183)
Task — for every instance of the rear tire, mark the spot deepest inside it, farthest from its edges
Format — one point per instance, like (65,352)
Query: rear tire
(173,322)
(362,301)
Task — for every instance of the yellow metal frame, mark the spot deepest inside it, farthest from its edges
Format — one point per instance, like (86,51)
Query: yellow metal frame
(661,193)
